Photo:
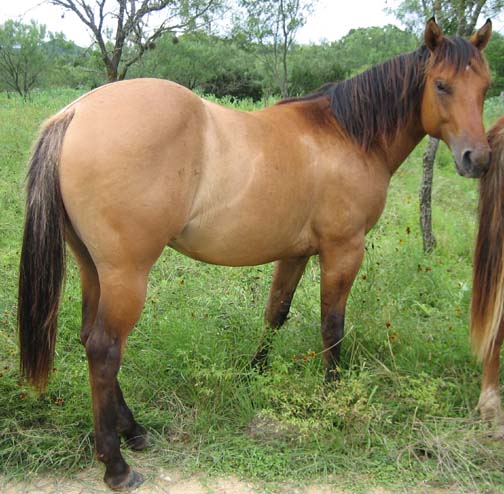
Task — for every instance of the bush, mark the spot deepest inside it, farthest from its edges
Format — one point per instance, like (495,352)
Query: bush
(205,63)
(313,66)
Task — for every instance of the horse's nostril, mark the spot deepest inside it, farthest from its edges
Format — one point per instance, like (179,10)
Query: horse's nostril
(475,162)
(466,159)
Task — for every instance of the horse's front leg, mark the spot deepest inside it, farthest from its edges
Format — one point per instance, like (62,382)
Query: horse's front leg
(339,263)
(286,277)
(489,403)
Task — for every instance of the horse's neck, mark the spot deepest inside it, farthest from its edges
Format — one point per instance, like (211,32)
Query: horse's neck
(315,116)
(402,145)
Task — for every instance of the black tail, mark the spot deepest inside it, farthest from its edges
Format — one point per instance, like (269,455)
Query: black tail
(42,267)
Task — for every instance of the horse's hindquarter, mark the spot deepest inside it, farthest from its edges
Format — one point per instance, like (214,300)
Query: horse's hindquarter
(129,167)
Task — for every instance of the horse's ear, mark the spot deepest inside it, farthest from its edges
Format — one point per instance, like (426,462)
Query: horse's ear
(481,37)
(433,35)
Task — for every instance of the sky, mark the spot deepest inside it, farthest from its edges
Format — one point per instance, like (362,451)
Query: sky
(331,20)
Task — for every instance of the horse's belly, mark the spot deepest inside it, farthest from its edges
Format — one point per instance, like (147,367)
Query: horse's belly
(245,245)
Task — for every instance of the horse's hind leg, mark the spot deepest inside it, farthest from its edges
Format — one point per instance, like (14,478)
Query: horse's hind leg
(489,403)
(286,277)
(90,283)
(122,295)
(134,434)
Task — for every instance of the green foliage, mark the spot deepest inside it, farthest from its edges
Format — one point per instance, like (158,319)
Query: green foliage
(206,63)
(32,58)
(22,57)
(454,16)
(236,66)
(494,53)
(364,47)
(70,65)
(125,30)
(272,25)
(312,66)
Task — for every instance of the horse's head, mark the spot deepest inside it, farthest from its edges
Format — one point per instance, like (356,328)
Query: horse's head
(456,81)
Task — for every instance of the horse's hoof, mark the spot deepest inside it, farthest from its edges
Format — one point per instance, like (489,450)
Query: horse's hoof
(489,406)
(497,433)
(137,443)
(260,362)
(136,439)
(131,481)
(332,376)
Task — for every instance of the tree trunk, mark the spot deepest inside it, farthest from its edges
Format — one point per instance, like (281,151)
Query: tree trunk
(112,75)
(429,241)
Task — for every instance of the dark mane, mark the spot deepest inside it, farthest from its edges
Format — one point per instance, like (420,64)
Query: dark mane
(373,105)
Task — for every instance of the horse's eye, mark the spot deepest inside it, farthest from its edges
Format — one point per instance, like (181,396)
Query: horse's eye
(442,87)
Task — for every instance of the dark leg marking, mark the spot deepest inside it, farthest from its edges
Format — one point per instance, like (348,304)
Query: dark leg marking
(134,434)
(332,336)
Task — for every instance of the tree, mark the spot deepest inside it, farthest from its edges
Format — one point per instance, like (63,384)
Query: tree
(125,30)
(22,55)
(206,63)
(455,17)
(70,65)
(364,47)
(273,25)
(495,55)
(312,66)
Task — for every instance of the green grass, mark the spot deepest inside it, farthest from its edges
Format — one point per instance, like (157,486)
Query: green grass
(403,412)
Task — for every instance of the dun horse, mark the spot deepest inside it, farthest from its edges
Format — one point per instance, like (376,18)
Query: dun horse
(487,322)
(134,166)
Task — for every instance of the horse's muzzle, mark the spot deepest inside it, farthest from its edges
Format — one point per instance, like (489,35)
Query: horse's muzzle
(473,163)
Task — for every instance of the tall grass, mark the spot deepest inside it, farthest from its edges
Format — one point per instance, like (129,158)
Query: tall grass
(403,412)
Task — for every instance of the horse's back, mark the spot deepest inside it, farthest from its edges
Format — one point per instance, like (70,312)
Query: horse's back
(130,165)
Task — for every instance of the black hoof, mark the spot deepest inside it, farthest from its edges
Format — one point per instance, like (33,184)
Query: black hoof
(137,443)
(131,481)
(260,361)
(332,376)
(137,439)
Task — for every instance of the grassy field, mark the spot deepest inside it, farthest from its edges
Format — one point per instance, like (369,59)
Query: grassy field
(403,413)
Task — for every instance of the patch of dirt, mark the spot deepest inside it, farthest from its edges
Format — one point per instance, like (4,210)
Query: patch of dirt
(176,482)
(266,429)
(164,482)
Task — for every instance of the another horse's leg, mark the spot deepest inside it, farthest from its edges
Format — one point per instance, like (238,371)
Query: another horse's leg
(339,264)
(286,277)
(122,295)
(489,403)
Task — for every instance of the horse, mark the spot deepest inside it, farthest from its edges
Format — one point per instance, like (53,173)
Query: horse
(487,301)
(135,166)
